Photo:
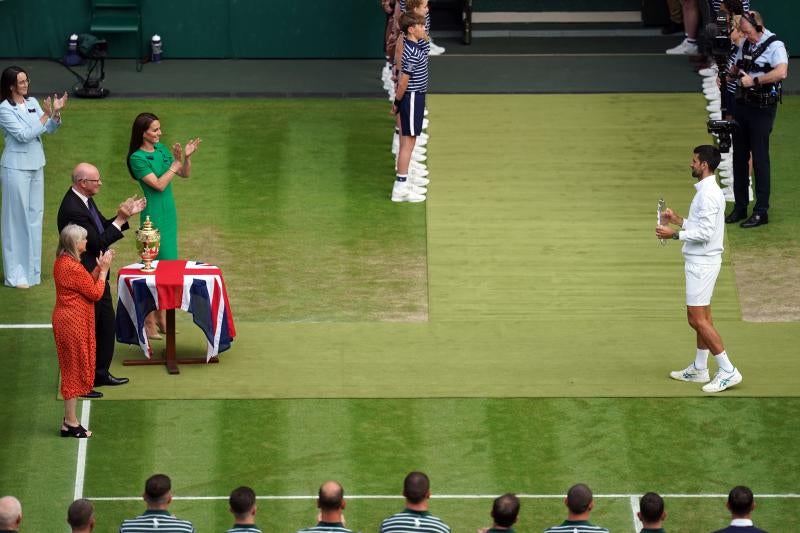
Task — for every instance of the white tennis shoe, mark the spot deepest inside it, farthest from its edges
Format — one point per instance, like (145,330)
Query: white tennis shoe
(690,373)
(723,380)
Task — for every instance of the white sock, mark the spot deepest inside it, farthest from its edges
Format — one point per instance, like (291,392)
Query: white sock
(701,359)
(723,362)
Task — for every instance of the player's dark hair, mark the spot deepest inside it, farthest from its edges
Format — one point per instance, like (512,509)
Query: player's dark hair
(242,500)
(740,500)
(416,487)
(330,499)
(734,7)
(156,488)
(409,19)
(505,510)
(708,154)
(79,513)
(579,497)
(651,506)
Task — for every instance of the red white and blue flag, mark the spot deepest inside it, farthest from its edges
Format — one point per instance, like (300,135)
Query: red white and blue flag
(194,287)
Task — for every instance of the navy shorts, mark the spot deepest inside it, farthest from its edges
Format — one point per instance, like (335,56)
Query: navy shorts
(412,111)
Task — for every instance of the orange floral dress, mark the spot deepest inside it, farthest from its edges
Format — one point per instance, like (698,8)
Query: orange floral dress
(73,325)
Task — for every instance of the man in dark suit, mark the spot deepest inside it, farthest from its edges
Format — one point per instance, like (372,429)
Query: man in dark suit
(79,208)
(741,505)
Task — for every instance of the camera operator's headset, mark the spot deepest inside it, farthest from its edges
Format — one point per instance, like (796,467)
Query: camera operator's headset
(750,16)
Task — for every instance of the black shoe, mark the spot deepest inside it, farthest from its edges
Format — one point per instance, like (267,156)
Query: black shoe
(93,394)
(735,216)
(671,28)
(755,219)
(110,380)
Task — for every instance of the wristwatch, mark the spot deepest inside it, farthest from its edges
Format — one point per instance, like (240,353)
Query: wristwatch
(676,236)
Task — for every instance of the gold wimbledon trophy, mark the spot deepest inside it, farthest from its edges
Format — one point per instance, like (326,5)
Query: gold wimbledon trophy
(148,240)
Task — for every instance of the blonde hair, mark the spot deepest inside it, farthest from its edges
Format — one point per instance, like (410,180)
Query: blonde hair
(68,240)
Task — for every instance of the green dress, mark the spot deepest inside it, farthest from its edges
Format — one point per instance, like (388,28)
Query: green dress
(160,204)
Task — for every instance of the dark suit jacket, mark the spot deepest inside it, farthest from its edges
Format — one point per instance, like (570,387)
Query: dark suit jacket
(74,211)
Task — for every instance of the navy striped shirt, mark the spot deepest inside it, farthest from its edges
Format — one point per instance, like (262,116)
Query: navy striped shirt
(326,527)
(156,522)
(415,64)
(410,521)
(244,528)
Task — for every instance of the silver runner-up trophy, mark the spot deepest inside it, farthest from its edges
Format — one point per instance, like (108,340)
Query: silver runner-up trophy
(148,240)
(659,211)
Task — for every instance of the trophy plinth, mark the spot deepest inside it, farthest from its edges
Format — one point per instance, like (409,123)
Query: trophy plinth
(148,240)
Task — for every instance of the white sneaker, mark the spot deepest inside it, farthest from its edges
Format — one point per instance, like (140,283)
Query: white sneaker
(435,49)
(690,373)
(726,180)
(711,96)
(715,115)
(402,193)
(710,91)
(425,112)
(710,83)
(419,158)
(418,168)
(727,192)
(723,380)
(419,181)
(685,48)
(423,137)
(708,71)
(421,141)
(713,105)
(750,193)
(421,150)
(416,189)
(424,123)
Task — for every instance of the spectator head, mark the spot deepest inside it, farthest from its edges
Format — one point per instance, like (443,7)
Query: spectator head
(579,499)
(505,510)
(69,240)
(10,513)
(8,82)
(740,501)
(157,490)
(416,487)
(751,26)
(709,155)
(242,502)
(651,509)
(411,19)
(80,515)
(330,497)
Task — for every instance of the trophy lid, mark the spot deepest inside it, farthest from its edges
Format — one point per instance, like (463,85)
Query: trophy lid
(147,232)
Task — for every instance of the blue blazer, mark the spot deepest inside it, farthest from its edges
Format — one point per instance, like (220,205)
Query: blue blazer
(22,132)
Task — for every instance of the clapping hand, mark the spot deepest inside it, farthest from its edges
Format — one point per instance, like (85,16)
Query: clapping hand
(104,260)
(191,146)
(136,204)
(60,103)
(177,152)
(48,106)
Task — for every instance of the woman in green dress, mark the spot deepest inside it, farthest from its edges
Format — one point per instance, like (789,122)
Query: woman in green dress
(154,166)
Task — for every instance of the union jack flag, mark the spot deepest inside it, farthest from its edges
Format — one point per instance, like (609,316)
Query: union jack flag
(189,285)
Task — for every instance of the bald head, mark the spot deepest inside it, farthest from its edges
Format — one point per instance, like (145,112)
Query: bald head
(86,179)
(84,171)
(331,496)
(10,513)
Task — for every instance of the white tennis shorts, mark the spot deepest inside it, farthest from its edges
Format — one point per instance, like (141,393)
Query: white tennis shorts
(700,281)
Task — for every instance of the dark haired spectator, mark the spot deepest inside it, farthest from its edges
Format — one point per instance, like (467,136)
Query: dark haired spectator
(579,502)
(157,519)
(242,503)
(505,510)
(741,505)
(10,513)
(651,513)
(415,518)
(80,516)
(331,504)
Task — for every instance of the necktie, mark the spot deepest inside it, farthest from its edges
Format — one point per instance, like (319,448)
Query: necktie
(95,216)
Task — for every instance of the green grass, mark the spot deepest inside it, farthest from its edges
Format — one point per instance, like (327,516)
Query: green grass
(291,199)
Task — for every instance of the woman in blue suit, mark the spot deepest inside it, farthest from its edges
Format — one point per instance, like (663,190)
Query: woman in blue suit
(23,121)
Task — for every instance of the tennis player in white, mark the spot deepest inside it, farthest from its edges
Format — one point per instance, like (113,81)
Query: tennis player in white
(702,233)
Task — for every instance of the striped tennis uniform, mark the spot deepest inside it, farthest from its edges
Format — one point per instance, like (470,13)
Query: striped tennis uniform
(156,522)
(576,526)
(326,527)
(244,528)
(412,108)
(410,521)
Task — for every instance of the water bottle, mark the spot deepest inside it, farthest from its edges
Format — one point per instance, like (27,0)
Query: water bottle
(155,49)
(72,57)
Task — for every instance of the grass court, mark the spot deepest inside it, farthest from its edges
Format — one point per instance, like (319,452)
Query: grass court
(513,333)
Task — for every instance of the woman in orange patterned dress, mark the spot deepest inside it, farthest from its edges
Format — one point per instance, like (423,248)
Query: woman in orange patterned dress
(73,321)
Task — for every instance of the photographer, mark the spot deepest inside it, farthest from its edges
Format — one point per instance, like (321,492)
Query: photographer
(761,64)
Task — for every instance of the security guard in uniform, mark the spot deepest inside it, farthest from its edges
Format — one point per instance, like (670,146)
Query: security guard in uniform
(761,64)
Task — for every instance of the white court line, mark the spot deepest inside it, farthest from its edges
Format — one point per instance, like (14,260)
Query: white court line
(80,470)
(437,497)
(637,524)
(26,326)
(599,54)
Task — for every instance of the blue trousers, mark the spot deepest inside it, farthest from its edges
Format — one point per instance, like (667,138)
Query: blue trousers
(21,225)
